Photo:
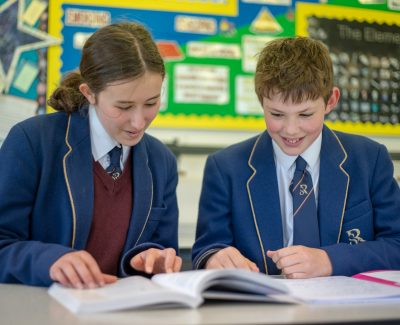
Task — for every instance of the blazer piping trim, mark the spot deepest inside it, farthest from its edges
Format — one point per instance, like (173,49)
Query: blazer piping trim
(251,202)
(205,255)
(148,213)
(347,185)
(68,185)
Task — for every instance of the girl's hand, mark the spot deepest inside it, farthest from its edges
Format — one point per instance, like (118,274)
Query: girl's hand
(79,270)
(155,261)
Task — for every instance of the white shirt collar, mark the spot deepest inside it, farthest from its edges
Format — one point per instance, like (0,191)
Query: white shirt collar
(310,155)
(101,141)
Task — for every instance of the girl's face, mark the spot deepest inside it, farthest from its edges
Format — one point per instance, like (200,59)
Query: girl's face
(126,108)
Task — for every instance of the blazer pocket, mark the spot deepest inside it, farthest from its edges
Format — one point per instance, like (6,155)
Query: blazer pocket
(358,223)
(357,211)
(156,213)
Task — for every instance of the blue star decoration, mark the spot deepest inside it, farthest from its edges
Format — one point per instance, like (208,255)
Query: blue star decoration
(16,38)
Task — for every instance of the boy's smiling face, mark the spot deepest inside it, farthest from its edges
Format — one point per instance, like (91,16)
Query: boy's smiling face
(294,127)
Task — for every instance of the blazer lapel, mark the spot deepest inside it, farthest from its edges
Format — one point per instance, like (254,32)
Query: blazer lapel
(78,173)
(142,194)
(333,188)
(262,188)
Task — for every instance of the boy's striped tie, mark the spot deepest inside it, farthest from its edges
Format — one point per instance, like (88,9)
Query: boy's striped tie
(305,218)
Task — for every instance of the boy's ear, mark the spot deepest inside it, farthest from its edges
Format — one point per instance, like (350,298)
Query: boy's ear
(333,100)
(85,90)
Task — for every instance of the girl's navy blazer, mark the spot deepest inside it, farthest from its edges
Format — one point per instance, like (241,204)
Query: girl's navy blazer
(46,196)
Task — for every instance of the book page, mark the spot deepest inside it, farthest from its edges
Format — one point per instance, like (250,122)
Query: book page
(120,289)
(130,292)
(123,289)
(339,289)
(196,282)
(188,282)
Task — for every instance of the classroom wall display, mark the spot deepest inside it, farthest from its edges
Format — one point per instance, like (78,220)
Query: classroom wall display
(210,48)
(365,50)
(23,49)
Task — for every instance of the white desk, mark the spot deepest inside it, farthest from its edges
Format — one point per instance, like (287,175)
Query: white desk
(29,305)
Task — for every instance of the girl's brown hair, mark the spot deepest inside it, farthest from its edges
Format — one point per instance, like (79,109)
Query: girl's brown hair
(116,52)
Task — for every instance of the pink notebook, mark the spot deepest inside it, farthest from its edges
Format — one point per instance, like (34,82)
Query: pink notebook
(389,277)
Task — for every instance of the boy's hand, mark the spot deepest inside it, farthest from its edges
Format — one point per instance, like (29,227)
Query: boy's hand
(230,257)
(300,262)
(79,270)
(155,261)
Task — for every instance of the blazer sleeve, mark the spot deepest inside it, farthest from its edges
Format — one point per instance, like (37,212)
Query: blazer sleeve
(214,230)
(22,258)
(384,251)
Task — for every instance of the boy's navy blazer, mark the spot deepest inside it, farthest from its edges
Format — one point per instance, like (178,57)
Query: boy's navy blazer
(47,192)
(358,204)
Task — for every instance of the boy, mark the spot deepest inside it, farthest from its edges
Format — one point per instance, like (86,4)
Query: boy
(259,209)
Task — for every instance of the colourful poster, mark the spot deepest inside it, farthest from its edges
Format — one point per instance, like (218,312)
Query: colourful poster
(210,50)
(365,50)
(209,47)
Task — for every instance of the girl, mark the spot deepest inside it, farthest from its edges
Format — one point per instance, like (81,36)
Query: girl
(86,195)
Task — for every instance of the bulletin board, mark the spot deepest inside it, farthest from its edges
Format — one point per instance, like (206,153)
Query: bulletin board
(365,50)
(210,50)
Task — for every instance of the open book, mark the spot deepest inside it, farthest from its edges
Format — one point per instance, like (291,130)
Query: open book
(190,288)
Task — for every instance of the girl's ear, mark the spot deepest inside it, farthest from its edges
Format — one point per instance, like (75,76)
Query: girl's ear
(333,100)
(90,96)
